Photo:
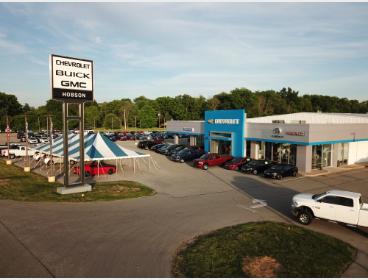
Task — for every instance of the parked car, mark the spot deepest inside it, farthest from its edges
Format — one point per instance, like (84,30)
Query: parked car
(157,146)
(32,140)
(236,163)
(256,166)
(18,151)
(94,168)
(210,159)
(164,149)
(187,154)
(278,171)
(174,150)
(44,140)
(145,144)
(335,205)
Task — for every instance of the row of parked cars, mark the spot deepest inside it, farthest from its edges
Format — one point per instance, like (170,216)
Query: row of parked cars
(183,153)
(36,137)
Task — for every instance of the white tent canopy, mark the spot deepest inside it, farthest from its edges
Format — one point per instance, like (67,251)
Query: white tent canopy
(96,147)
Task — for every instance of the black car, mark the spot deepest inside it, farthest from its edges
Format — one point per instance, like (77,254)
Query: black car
(174,151)
(187,154)
(157,146)
(281,170)
(163,149)
(256,166)
(146,144)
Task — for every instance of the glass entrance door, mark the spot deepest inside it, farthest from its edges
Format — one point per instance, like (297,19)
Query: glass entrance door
(342,154)
(321,156)
(222,147)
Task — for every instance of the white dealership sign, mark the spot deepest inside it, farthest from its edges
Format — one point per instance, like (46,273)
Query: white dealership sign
(71,78)
(223,121)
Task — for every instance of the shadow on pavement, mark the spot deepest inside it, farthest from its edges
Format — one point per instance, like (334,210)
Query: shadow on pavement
(279,198)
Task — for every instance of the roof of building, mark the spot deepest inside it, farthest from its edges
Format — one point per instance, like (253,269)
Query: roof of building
(314,118)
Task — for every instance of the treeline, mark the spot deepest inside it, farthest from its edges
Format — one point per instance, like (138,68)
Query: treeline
(145,113)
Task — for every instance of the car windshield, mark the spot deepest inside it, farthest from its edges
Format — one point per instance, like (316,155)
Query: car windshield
(183,151)
(317,196)
(236,160)
(254,163)
(278,167)
(205,156)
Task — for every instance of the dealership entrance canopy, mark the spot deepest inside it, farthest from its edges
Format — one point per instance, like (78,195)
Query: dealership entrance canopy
(308,140)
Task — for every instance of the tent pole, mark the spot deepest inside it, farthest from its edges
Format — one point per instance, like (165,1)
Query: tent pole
(134,165)
(98,169)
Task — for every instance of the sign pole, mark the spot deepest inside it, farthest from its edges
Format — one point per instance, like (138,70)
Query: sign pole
(81,143)
(65,138)
(51,177)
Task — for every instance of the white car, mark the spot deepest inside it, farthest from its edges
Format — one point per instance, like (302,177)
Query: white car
(20,151)
(32,140)
(335,205)
(44,140)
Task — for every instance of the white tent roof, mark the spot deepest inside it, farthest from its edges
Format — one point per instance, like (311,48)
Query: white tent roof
(96,147)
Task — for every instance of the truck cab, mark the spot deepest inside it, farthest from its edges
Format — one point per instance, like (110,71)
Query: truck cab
(334,205)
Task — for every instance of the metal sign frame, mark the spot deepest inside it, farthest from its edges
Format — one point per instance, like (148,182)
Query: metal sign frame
(67,117)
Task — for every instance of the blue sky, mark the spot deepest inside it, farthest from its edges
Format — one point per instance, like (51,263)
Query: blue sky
(166,49)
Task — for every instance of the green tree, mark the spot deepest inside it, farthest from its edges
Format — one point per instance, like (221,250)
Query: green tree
(111,121)
(147,117)
(91,117)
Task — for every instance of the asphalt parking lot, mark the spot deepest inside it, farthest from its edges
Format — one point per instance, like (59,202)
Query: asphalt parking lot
(139,237)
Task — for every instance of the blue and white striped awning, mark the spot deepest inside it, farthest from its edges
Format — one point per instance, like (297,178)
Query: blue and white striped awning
(96,147)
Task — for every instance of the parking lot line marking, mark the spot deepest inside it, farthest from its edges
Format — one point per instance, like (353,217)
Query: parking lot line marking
(246,208)
(258,203)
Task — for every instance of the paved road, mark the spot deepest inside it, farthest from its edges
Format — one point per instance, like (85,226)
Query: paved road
(138,237)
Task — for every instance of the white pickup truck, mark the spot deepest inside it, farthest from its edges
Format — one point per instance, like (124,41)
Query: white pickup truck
(334,205)
(19,151)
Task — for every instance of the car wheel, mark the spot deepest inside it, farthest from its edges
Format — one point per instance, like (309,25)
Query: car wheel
(87,174)
(304,217)
(110,171)
(279,177)
(255,172)
(295,173)
(205,167)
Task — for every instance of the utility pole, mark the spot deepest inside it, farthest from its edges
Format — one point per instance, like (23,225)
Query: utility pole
(8,138)
(39,124)
(47,123)
(27,167)
(125,122)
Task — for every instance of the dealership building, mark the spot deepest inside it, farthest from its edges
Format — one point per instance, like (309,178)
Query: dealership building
(308,140)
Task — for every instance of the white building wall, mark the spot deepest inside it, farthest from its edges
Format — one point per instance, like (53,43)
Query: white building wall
(358,152)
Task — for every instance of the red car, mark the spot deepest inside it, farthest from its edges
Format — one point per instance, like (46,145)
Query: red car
(211,160)
(236,163)
(92,169)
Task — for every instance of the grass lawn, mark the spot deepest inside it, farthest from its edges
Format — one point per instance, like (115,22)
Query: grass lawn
(15,184)
(237,251)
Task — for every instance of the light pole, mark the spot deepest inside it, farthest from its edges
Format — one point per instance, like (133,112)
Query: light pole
(158,115)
